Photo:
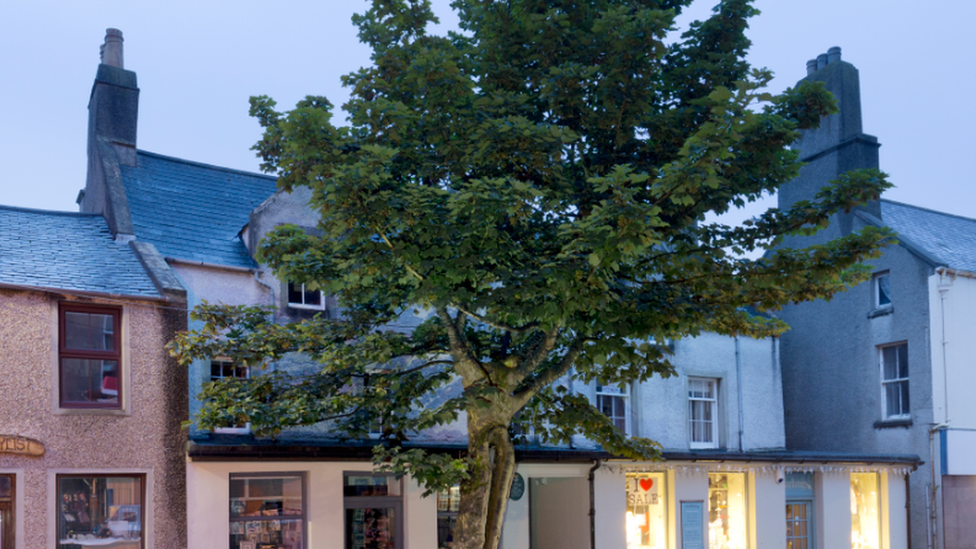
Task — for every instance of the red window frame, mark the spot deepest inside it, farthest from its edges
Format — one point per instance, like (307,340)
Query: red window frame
(90,354)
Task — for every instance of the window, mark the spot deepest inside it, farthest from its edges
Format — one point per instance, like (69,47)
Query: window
(222,368)
(647,508)
(448,503)
(727,510)
(882,290)
(101,507)
(702,412)
(612,401)
(894,381)
(267,509)
(300,297)
(89,352)
(373,511)
(7,524)
(865,517)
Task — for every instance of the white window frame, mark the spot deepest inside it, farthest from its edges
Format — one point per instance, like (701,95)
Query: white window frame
(246,429)
(710,402)
(885,382)
(303,305)
(615,392)
(877,280)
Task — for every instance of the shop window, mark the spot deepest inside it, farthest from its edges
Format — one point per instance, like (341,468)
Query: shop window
(647,508)
(448,503)
(300,297)
(703,412)
(373,505)
(267,510)
(107,508)
(614,403)
(222,368)
(89,352)
(894,381)
(727,510)
(881,284)
(7,499)
(865,517)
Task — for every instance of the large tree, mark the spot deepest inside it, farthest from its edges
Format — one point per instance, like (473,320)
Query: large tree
(541,182)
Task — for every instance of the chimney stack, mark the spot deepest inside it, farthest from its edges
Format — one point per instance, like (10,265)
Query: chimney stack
(111,50)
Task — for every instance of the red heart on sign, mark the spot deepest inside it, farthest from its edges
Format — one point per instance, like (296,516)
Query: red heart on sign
(646,483)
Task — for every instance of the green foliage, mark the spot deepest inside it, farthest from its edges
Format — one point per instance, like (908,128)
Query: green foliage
(539,182)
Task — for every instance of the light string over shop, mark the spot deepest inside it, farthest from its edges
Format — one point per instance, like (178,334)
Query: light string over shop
(701,469)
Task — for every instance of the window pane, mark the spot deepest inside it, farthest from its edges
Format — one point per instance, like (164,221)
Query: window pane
(727,510)
(267,510)
(294,293)
(104,507)
(6,486)
(370,528)
(312,297)
(884,290)
(89,381)
(865,524)
(902,361)
(90,331)
(888,358)
(646,511)
(371,485)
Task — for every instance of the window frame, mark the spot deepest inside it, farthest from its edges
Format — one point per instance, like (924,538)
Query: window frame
(246,429)
(876,282)
(90,354)
(143,511)
(714,408)
(303,517)
(886,414)
(296,305)
(615,392)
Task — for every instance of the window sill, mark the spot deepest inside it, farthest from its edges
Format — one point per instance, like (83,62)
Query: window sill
(91,411)
(881,311)
(892,423)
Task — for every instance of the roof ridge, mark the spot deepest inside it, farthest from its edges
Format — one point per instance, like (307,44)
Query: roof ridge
(205,165)
(49,212)
(930,210)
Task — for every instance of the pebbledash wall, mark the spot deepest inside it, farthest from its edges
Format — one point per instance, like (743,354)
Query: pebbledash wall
(143,438)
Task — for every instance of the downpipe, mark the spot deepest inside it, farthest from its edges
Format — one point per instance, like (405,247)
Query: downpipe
(590,477)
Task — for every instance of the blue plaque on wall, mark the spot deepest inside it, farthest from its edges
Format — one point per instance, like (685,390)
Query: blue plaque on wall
(692,531)
(518,487)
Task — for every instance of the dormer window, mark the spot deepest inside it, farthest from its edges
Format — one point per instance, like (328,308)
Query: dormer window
(882,290)
(300,297)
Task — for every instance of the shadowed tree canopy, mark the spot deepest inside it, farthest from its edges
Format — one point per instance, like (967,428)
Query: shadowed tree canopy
(539,182)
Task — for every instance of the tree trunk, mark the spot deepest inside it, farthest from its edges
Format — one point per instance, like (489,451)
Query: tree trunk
(484,496)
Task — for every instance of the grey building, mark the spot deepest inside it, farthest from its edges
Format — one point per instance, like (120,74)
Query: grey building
(875,369)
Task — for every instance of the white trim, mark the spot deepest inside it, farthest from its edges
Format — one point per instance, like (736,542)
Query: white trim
(885,381)
(713,405)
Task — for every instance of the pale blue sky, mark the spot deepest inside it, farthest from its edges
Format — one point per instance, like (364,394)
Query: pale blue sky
(198,62)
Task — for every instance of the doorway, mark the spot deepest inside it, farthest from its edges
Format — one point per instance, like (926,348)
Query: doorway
(799,525)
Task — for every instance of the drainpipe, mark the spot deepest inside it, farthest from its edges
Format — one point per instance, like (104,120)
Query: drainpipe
(596,465)
(933,505)
(738,386)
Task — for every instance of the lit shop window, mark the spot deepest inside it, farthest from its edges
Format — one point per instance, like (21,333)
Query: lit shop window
(727,511)
(374,511)
(267,510)
(865,524)
(104,508)
(646,511)
(448,503)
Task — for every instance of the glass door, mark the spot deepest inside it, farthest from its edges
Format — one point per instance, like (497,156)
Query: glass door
(799,525)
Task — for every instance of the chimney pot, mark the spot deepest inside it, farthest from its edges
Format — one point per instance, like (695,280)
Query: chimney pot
(833,55)
(821,61)
(811,66)
(111,50)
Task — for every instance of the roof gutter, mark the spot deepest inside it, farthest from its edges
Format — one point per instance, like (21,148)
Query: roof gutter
(64,291)
(210,265)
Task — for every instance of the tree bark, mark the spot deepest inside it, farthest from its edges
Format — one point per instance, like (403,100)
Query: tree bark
(484,496)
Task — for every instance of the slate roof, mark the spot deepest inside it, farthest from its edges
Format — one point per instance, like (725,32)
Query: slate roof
(67,251)
(949,238)
(193,211)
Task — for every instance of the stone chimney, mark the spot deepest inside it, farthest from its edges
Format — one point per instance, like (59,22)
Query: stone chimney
(839,145)
(113,110)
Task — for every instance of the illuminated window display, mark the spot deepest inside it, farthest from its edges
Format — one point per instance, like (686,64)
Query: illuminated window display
(267,510)
(727,511)
(646,511)
(865,524)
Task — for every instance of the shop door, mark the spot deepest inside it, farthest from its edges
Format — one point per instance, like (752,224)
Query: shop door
(6,512)
(799,525)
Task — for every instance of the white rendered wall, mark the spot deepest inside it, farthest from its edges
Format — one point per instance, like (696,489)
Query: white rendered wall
(897,511)
(768,505)
(833,510)
(610,502)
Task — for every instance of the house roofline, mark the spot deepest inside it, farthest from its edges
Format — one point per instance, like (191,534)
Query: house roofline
(907,243)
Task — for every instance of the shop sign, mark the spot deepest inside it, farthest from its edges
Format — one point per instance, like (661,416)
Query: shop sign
(642,491)
(12,444)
